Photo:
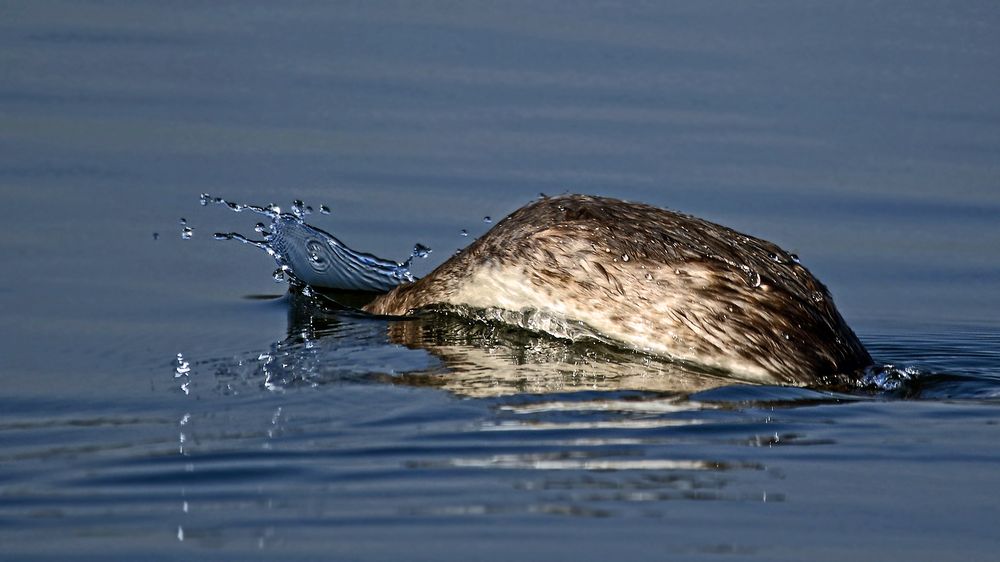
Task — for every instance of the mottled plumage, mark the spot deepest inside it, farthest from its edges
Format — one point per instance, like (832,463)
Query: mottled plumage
(648,278)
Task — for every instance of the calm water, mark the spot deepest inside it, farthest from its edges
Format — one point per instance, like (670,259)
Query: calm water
(161,398)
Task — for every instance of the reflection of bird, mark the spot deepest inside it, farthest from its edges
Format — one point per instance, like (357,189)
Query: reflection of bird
(466,358)
(483,360)
(643,277)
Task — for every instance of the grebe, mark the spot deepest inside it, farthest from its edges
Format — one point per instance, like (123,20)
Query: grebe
(646,278)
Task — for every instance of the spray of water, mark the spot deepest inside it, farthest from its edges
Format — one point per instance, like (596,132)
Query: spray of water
(307,256)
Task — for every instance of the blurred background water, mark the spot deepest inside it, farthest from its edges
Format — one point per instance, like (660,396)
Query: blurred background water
(863,136)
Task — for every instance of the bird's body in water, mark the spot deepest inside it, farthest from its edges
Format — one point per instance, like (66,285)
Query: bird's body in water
(654,280)
(633,275)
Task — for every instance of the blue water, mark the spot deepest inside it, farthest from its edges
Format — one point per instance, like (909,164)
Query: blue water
(862,136)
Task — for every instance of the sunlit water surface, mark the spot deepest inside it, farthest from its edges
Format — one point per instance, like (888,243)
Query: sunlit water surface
(164,398)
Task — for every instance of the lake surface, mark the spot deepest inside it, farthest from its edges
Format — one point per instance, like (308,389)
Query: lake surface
(162,398)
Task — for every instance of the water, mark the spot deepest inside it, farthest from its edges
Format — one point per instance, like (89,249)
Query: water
(308,257)
(163,398)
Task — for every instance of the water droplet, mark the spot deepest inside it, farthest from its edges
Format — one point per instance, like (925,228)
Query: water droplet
(324,209)
(464,232)
(298,208)
(649,276)
(816,296)
(316,255)
(181,367)
(187,233)
(156,236)
(184,220)
(624,257)
(420,251)
(752,277)
(260,227)
(794,257)
(775,258)
(487,219)
(222,236)
(205,199)
(280,275)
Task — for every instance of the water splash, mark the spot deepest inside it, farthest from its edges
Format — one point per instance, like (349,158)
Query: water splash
(307,256)
(419,251)
(888,377)
(182,370)
(300,209)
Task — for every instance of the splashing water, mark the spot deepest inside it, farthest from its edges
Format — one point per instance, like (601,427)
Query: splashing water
(182,370)
(307,256)
(888,377)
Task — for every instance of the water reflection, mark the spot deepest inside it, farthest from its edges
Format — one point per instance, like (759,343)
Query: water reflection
(482,359)
(329,341)
(580,430)
(585,430)
(466,358)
